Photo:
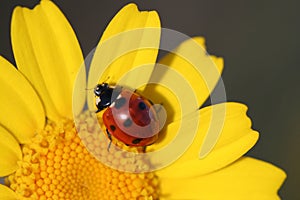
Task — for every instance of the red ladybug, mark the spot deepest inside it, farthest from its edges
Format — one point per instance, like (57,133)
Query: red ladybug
(128,117)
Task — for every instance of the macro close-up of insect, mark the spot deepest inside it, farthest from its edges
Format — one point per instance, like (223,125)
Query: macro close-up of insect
(128,116)
(149,100)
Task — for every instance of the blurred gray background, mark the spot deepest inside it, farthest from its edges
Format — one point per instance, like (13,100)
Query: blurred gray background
(258,40)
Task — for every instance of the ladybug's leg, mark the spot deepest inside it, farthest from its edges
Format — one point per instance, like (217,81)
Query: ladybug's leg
(109,137)
(100,108)
(144,149)
(151,102)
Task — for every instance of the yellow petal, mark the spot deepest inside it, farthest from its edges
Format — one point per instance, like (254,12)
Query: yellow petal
(236,138)
(10,153)
(191,61)
(245,179)
(131,40)
(7,194)
(48,54)
(22,112)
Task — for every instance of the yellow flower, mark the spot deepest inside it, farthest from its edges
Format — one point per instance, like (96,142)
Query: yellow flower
(43,157)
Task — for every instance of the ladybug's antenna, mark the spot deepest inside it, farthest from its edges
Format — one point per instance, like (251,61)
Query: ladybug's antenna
(89,88)
(107,78)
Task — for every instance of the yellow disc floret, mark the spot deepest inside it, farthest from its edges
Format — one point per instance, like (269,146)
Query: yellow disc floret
(57,166)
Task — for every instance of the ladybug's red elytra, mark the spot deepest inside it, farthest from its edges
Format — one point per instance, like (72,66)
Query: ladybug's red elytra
(128,117)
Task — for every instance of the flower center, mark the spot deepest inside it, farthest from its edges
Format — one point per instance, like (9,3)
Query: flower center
(56,165)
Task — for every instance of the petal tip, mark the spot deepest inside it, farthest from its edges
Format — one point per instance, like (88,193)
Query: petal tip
(200,40)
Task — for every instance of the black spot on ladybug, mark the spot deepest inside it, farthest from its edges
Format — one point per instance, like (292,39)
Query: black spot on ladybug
(142,106)
(120,102)
(112,127)
(127,122)
(137,140)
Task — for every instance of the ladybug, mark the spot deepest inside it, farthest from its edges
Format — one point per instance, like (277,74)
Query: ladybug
(128,116)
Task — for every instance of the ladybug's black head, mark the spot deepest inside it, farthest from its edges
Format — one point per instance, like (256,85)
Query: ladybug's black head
(100,88)
(103,95)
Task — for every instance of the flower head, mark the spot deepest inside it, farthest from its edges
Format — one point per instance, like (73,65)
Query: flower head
(42,155)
